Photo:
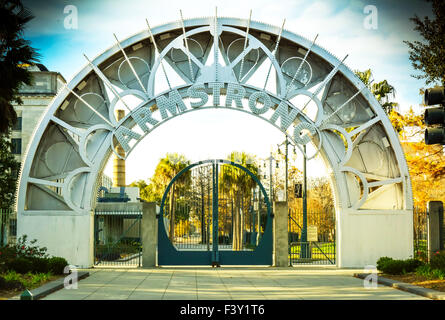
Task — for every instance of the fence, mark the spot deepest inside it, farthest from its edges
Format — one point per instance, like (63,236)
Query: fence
(8,227)
(320,247)
(323,251)
(117,238)
(420,232)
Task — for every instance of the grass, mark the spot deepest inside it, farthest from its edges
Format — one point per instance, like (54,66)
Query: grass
(429,273)
(323,249)
(29,280)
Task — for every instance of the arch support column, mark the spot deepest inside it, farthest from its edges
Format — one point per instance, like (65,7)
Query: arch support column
(68,236)
(280,234)
(149,234)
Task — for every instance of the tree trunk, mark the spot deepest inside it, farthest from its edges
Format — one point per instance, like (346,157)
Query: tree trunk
(237,226)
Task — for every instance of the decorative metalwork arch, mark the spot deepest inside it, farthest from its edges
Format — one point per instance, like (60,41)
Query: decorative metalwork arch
(75,137)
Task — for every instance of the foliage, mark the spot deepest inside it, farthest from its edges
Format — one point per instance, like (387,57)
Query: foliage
(10,284)
(438,260)
(421,254)
(382,261)
(167,168)
(14,280)
(391,266)
(430,273)
(21,255)
(56,265)
(15,55)
(115,251)
(425,162)
(25,257)
(429,56)
(165,171)
(20,265)
(239,185)
(382,90)
(25,250)
(9,168)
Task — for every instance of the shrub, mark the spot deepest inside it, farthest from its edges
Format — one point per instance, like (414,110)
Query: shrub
(20,265)
(25,265)
(438,260)
(7,254)
(39,265)
(382,262)
(438,274)
(428,272)
(391,266)
(23,249)
(56,265)
(21,281)
(394,267)
(10,284)
(412,265)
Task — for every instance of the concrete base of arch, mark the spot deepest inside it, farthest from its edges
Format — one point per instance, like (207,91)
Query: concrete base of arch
(362,238)
(68,236)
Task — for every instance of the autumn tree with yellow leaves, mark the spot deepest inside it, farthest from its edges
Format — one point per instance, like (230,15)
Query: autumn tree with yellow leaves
(426,163)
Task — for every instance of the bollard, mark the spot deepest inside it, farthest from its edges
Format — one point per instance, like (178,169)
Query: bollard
(26,295)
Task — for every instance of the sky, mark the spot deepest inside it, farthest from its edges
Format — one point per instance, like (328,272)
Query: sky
(340,26)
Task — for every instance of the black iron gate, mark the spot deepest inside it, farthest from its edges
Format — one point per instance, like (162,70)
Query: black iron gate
(321,245)
(117,238)
(215,212)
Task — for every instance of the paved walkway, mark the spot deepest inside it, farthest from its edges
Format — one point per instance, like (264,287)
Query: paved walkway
(197,283)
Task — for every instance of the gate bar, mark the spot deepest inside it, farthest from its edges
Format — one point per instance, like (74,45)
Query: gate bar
(215,259)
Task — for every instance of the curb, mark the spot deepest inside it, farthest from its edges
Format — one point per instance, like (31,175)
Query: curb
(425,292)
(50,287)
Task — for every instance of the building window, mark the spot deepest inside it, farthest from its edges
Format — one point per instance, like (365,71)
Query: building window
(16,145)
(18,124)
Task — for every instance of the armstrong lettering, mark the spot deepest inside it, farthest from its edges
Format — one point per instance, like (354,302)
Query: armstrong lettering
(172,104)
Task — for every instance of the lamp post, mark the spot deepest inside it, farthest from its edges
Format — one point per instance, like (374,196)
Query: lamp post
(271,159)
(304,253)
(304,245)
(286,160)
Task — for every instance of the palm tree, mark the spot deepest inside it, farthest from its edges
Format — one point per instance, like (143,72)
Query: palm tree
(238,185)
(15,55)
(382,90)
(167,168)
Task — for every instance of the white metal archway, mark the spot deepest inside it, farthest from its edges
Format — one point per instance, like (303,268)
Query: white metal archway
(214,61)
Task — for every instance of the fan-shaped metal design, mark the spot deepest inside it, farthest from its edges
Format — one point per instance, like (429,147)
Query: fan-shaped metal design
(216,63)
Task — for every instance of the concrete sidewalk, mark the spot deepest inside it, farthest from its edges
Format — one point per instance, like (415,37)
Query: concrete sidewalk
(237,283)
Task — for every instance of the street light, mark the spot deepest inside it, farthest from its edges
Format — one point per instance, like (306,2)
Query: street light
(304,245)
(286,144)
(271,159)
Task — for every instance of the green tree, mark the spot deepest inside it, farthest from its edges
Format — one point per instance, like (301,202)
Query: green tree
(15,55)
(9,169)
(429,56)
(167,168)
(382,90)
